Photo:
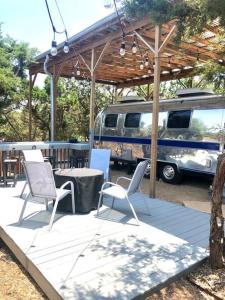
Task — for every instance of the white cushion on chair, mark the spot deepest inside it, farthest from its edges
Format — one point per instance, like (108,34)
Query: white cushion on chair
(115,191)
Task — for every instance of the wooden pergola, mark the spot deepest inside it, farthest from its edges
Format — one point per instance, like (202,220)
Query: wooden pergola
(95,51)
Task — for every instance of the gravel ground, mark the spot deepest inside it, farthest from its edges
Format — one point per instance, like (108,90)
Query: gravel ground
(199,285)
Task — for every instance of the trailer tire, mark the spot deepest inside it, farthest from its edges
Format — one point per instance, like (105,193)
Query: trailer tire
(169,173)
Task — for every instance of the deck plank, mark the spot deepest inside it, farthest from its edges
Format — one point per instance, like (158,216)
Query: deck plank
(85,257)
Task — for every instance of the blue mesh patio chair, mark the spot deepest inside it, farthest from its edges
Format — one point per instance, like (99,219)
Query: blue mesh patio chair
(100,160)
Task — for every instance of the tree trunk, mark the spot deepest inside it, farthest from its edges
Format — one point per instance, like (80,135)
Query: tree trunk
(216,240)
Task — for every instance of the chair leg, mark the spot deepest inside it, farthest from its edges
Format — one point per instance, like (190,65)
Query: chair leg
(72,197)
(46,204)
(133,211)
(53,214)
(21,194)
(99,202)
(113,202)
(23,208)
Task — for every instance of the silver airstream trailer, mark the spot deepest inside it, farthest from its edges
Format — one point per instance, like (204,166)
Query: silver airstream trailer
(191,132)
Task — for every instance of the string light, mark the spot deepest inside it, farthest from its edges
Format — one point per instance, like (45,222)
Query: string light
(146,62)
(123,48)
(78,70)
(66,48)
(54,48)
(134,46)
(107,4)
(141,65)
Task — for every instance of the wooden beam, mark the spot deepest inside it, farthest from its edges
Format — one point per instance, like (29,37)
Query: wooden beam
(101,55)
(165,42)
(91,45)
(144,41)
(150,79)
(86,64)
(155,112)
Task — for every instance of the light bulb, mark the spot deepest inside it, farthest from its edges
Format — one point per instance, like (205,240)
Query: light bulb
(149,71)
(146,62)
(141,66)
(54,48)
(122,49)
(66,48)
(134,48)
(78,72)
(107,4)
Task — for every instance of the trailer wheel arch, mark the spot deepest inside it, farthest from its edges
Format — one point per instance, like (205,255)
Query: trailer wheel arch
(169,173)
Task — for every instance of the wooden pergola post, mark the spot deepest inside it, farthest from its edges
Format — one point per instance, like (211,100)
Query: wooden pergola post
(92,69)
(155,112)
(31,85)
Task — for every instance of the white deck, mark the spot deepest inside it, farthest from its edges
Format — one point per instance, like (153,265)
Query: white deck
(85,257)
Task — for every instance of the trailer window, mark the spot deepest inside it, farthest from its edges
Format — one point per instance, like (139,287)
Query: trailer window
(132,120)
(111,120)
(179,119)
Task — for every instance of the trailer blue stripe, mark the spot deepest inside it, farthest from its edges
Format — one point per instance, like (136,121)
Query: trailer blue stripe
(161,142)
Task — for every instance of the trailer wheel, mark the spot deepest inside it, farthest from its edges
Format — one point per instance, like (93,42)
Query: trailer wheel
(169,173)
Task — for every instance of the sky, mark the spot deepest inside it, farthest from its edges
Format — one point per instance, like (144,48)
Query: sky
(28,21)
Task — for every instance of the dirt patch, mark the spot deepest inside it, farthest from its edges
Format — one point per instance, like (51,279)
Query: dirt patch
(15,282)
(202,284)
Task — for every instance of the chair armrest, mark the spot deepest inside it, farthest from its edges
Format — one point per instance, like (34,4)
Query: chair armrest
(122,177)
(111,183)
(66,183)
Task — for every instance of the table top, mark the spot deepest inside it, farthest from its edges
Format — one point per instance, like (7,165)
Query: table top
(79,172)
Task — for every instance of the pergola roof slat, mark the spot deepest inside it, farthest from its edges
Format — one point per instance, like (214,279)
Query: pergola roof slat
(116,70)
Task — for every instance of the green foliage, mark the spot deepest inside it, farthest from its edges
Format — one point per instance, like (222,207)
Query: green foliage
(191,15)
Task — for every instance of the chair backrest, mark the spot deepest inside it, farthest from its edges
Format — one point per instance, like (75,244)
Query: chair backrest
(137,177)
(127,154)
(33,155)
(40,179)
(100,159)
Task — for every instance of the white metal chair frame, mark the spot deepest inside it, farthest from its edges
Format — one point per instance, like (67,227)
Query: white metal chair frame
(55,196)
(122,193)
(32,155)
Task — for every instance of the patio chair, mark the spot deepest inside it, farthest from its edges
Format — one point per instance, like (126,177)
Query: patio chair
(31,155)
(100,159)
(42,185)
(117,191)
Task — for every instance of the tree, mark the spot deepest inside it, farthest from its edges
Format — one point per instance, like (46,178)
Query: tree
(191,15)
(14,58)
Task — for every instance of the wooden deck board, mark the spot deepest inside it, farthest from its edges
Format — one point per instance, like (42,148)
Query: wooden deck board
(85,257)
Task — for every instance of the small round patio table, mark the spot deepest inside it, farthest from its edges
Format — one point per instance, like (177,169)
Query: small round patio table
(87,184)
